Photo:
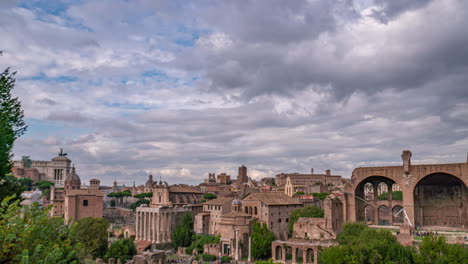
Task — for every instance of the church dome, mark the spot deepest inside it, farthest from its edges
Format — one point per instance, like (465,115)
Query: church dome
(236,202)
(149,183)
(72,181)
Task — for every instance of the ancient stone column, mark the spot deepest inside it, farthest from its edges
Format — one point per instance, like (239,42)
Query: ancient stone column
(375,185)
(294,257)
(145,227)
(236,232)
(304,255)
(249,259)
(158,228)
(153,225)
(283,254)
(137,225)
(390,203)
(315,256)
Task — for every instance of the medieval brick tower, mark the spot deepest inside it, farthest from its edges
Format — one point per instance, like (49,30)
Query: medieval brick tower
(242,177)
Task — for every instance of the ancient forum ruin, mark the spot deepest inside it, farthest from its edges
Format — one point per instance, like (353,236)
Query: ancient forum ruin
(433,195)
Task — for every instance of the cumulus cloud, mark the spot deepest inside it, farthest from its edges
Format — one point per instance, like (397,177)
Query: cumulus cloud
(182,90)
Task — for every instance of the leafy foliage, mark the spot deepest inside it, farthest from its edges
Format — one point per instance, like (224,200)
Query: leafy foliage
(269,261)
(225,259)
(12,126)
(123,249)
(92,234)
(143,195)
(112,203)
(262,238)
(396,195)
(183,233)
(29,235)
(44,185)
(208,257)
(309,211)
(321,196)
(10,186)
(209,196)
(300,193)
(435,250)
(361,244)
(200,240)
(27,183)
(134,205)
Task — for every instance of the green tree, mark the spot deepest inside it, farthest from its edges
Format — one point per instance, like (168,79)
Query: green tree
(29,235)
(27,183)
(200,240)
(12,126)
(139,202)
(183,233)
(143,195)
(92,234)
(321,196)
(123,249)
(361,244)
(209,196)
(262,238)
(44,186)
(396,195)
(435,250)
(10,186)
(309,211)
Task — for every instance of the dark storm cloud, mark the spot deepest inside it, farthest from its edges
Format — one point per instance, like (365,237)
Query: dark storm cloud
(276,21)
(407,54)
(392,8)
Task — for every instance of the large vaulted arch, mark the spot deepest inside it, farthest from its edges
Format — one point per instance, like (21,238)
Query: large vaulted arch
(441,199)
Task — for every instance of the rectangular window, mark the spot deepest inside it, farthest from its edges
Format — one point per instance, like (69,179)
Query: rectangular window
(279,220)
(85,202)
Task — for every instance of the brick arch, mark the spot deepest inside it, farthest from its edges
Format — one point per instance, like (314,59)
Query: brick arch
(360,201)
(441,199)
(421,177)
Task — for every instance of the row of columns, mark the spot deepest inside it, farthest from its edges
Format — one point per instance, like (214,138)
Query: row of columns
(153,226)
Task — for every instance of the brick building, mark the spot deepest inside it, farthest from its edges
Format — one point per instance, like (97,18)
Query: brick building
(271,208)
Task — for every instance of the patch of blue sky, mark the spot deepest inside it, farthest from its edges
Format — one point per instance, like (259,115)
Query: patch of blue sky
(191,81)
(44,9)
(38,128)
(128,106)
(44,78)
(159,76)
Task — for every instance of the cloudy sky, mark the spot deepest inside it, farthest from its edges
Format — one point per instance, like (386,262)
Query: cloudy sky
(184,88)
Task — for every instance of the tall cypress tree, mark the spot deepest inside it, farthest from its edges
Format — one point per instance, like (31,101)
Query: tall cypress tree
(12,126)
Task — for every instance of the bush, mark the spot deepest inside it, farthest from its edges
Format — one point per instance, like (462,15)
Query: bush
(300,193)
(225,259)
(361,244)
(123,249)
(112,203)
(396,195)
(209,196)
(199,241)
(208,257)
(91,233)
(321,196)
